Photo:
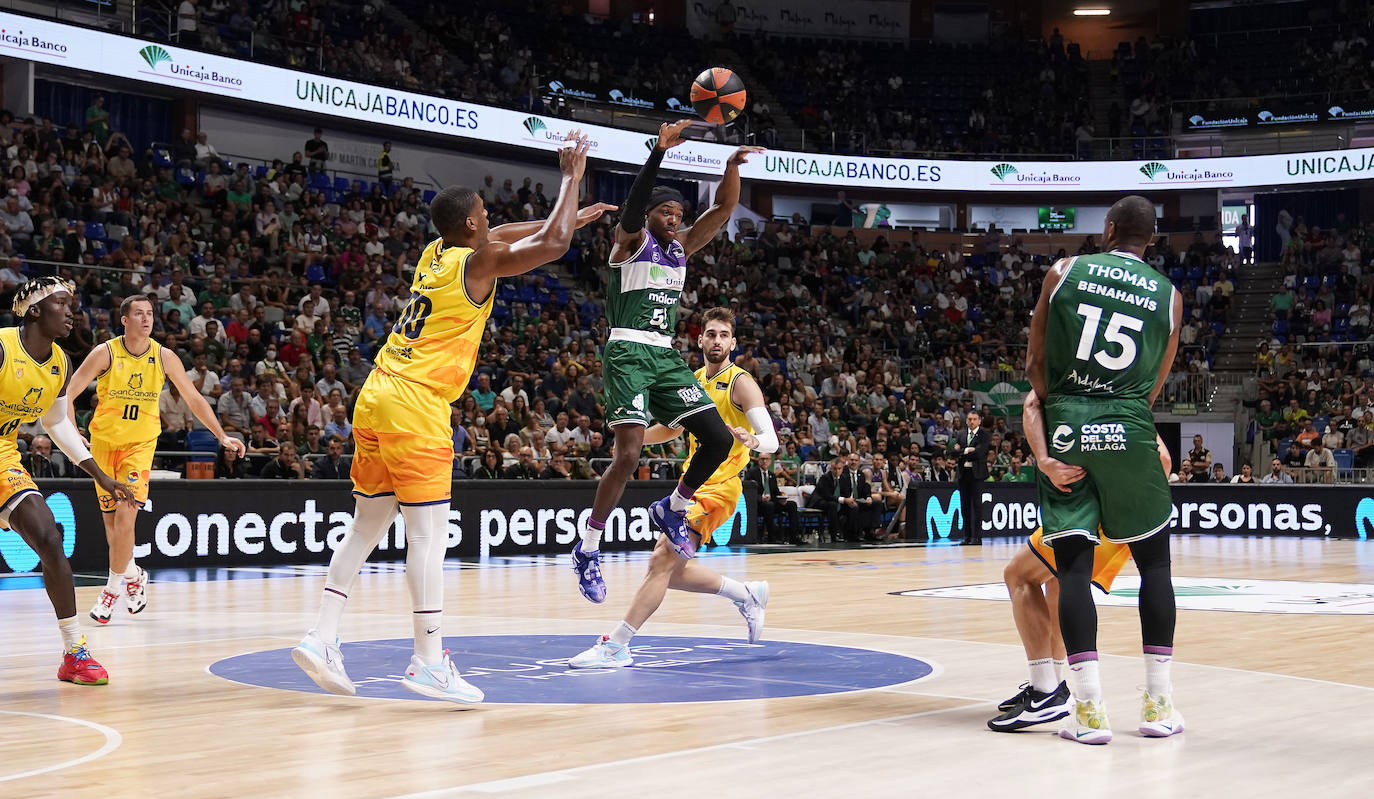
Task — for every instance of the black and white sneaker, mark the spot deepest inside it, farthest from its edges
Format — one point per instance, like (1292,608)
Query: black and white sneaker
(1008,704)
(1034,707)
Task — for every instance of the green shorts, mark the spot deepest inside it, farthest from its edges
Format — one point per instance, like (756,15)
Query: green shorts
(644,383)
(1126,490)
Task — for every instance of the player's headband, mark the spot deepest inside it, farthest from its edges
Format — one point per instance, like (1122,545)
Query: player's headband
(37,290)
(665,194)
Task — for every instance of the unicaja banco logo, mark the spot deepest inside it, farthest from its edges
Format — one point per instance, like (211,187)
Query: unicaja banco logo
(1364,519)
(1063,439)
(940,520)
(1002,170)
(534,124)
(1197,119)
(1153,168)
(154,55)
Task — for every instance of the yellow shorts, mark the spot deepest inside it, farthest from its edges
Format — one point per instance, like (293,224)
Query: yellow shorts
(1108,558)
(15,482)
(403,442)
(124,463)
(712,505)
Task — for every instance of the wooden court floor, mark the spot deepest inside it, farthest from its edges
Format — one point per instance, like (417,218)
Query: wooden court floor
(1277,704)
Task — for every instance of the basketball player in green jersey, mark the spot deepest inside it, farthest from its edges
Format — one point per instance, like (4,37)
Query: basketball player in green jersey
(1102,340)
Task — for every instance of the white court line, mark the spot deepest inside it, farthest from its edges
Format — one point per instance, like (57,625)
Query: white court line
(104,648)
(563,775)
(112,741)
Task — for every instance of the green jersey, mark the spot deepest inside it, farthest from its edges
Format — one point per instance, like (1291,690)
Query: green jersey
(1110,321)
(644,289)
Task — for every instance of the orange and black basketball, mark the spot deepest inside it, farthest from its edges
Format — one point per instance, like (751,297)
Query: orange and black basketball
(718,95)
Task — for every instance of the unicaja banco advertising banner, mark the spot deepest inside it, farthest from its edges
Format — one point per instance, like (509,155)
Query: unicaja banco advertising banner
(166,65)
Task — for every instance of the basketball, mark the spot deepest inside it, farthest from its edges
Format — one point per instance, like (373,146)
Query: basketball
(718,95)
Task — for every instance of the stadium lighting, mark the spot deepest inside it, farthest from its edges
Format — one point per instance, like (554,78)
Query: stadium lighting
(1091,12)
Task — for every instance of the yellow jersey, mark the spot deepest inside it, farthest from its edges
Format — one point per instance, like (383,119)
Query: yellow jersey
(28,387)
(435,341)
(126,396)
(718,388)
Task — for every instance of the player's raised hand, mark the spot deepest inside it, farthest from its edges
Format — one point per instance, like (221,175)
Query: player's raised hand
(572,156)
(234,445)
(741,156)
(670,134)
(593,212)
(1061,474)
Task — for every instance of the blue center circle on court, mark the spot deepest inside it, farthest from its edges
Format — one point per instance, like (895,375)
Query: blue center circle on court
(517,669)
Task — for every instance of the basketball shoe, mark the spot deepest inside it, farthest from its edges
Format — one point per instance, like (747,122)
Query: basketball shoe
(137,589)
(752,610)
(79,668)
(1158,717)
(104,607)
(604,654)
(323,662)
(673,524)
(1008,704)
(440,681)
(1033,707)
(589,580)
(1086,723)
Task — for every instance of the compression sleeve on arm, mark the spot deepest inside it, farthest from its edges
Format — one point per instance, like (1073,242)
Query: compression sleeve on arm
(64,434)
(763,429)
(637,204)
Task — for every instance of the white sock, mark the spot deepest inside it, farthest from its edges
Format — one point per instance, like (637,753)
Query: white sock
(733,590)
(426,544)
(131,571)
(372,517)
(591,537)
(1157,667)
(115,583)
(1059,665)
(677,501)
(622,633)
(1042,676)
(1085,682)
(71,631)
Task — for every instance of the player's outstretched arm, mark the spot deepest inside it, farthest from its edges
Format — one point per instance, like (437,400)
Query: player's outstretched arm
(514,231)
(95,365)
(497,259)
(660,434)
(68,439)
(1176,321)
(198,405)
(727,197)
(630,232)
(745,393)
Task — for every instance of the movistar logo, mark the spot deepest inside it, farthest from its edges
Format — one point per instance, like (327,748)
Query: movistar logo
(19,557)
(154,55)
(1364,519)
(1063,439)
(940,520)
(534,125)
(1002,170)
(1153,168)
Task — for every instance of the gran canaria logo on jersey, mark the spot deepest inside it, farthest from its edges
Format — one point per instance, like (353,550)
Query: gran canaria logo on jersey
(32,396)
(136,381)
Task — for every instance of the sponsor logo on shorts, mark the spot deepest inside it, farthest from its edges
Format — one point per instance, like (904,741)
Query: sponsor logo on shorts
(1110,436)
(690,394)
(1063,439)
(1211,593)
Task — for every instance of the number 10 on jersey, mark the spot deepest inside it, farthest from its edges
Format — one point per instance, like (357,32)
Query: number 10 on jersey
(413,318)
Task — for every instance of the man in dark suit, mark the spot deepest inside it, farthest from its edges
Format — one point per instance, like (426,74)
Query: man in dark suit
(826,497)
(772,501)
(972,445)
(855,501)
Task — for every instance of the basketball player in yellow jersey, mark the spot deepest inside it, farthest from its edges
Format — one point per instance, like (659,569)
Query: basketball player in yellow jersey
(1034,589)
(128,372)
(741,406)
(404,441)
(33,386)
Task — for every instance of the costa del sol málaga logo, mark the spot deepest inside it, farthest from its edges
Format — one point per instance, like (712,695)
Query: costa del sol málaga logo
(534,124)
(1153,168)
(154,55)
(1002,170)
